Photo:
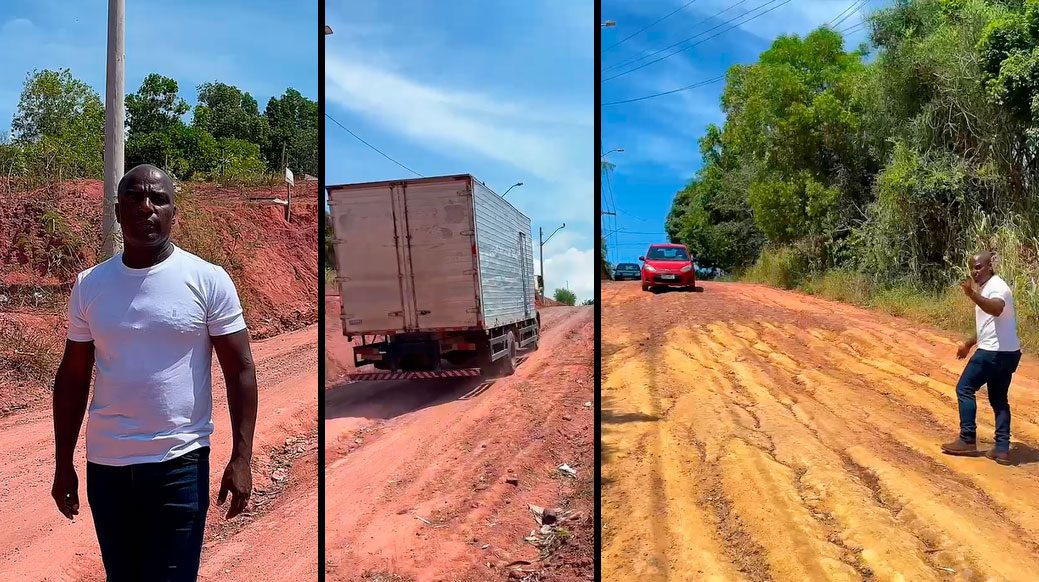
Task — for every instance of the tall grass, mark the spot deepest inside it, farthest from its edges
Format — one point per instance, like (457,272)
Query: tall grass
(946,308)
(782,267)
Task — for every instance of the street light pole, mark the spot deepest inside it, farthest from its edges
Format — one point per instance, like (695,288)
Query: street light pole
(543,240)
(115,117)
(609,23)
(511,187)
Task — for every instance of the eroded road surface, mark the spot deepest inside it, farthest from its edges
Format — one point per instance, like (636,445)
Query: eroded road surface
(277,540)
(756,434)
(418,473)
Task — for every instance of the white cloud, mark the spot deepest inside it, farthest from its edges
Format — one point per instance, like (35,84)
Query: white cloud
(451,118)
(572,267)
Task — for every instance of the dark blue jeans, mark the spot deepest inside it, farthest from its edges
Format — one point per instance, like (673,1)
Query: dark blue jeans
(150,517)
(994,369)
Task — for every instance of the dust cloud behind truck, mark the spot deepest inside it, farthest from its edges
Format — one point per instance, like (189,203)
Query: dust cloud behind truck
(432,270)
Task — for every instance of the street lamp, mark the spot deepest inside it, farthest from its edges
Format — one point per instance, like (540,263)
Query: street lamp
(543,240)
(613,150)
(328,29)
(511,187)
(609,23)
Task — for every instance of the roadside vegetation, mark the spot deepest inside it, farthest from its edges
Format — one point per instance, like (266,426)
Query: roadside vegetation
(871,175)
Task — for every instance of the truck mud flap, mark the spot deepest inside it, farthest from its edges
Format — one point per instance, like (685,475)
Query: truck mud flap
(370,376)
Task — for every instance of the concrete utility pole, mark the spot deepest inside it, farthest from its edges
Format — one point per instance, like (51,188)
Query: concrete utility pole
(543,240)
(115,117)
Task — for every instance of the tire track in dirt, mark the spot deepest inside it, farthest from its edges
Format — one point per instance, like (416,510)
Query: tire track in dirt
(803,436)
(416,477)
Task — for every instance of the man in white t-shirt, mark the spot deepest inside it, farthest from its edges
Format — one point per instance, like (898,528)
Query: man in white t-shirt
(147,320)
(993,363)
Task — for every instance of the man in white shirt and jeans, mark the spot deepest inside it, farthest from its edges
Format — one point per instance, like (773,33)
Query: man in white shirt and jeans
(993,363)
(149,319)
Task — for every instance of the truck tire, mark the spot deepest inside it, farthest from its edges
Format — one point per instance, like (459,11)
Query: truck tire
(507,365)
(533,347)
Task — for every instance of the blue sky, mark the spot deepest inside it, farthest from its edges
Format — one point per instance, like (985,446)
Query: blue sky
(503,90)
(659,136)
(263,47)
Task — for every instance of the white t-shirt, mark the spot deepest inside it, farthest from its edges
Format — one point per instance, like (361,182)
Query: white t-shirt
(997,334)
(151,329)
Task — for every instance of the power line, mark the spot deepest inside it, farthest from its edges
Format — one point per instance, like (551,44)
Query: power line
(658,51)
(622,231)
(854,28)
(860,4)
(360,139)
(686,88)
(699,42)
(657,21)
(843,12)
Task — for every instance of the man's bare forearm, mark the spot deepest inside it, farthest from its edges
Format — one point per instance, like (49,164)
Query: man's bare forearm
(990,305)
(71,390)
(236,361)
(242,402)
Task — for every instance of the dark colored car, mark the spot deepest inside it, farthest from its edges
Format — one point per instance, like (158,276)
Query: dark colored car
(668,265)
(626,272)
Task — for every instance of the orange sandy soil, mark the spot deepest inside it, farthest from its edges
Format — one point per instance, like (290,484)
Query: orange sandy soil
(277,540)
(416,472)
(274,265)
(756,434)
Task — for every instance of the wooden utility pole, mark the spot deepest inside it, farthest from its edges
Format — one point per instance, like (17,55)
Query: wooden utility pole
(115,117)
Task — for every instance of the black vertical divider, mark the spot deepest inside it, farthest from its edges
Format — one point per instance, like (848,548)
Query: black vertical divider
(597,546)
(321,291)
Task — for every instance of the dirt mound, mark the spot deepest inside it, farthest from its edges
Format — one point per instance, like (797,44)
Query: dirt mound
(49,235)
(743,411)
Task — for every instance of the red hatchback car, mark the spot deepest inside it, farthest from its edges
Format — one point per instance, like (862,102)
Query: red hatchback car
(668,265)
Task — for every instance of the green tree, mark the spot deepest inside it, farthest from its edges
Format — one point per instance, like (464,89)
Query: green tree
(155,107)
(60,124)
(565,296)
(225,111)
(238,159)
(293,121)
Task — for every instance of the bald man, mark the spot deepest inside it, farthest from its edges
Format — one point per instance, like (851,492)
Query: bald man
(993,363)
(150,318)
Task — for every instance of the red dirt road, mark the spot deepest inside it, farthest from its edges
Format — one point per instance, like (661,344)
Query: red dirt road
(756,434)
(277,541)
(416,474)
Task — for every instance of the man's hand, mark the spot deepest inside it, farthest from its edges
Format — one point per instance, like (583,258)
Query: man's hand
(962,351)
(65,491)
(968,288)
(238,481)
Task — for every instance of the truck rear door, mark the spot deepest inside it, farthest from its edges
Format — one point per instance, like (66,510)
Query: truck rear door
(368,259)
(442,267)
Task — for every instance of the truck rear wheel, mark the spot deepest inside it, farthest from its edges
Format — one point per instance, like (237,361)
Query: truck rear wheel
(507,365)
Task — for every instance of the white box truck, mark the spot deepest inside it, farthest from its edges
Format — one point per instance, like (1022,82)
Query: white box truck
(433,270)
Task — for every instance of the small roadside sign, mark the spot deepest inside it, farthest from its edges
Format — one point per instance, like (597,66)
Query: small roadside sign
(288,177)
